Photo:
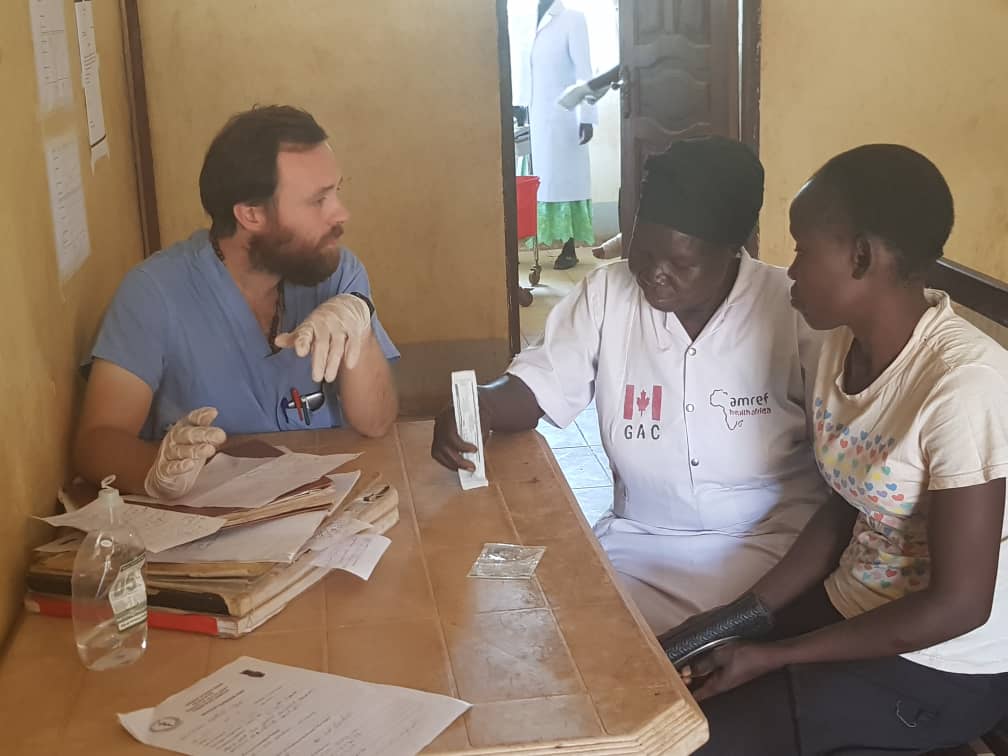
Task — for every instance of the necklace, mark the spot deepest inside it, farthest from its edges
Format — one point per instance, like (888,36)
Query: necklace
(278,309)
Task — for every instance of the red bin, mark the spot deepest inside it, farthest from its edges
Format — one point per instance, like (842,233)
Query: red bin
(527,189)
(527,192)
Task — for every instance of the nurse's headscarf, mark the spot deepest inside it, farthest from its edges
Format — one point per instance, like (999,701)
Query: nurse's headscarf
(707,187)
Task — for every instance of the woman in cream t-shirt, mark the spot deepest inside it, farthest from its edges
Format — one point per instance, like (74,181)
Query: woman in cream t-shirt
(891,608)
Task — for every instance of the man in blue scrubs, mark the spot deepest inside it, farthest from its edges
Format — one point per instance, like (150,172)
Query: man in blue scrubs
(263,323)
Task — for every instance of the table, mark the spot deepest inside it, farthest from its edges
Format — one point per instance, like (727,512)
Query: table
(561,662)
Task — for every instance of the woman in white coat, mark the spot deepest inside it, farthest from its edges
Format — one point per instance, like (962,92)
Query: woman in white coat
(556,57)
(700,371)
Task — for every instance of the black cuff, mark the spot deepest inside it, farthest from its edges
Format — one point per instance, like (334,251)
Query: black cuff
(746,617)
(370,304)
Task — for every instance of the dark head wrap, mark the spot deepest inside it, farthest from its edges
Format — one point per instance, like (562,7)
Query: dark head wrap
(707,187)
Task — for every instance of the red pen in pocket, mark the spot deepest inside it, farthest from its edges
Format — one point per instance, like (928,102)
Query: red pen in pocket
(296,399)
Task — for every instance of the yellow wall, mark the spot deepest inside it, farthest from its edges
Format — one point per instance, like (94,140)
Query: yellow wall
(926,74)
(408,92)
(48,328)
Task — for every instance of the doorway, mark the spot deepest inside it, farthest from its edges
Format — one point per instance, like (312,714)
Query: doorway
(687,68)
(573,40)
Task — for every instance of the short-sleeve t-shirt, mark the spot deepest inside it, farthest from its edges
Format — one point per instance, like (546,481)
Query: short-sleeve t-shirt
(936,419)
(179,323)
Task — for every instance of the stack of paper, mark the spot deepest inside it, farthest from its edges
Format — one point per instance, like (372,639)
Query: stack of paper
(255,532)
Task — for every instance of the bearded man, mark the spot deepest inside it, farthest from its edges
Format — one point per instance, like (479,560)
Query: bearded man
(263,323)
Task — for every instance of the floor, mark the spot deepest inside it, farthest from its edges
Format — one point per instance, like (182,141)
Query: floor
(553,286)
(578,451)
(577,448)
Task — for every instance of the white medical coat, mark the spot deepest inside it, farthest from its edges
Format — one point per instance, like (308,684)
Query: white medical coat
(713,472)
(557,56)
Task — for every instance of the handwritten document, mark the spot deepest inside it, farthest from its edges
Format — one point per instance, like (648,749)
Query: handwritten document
(277,540)
(358,554)
(336,531)
(52,57)
(97,138)
(263,709)
(66,202)
(247,483)
(159,529)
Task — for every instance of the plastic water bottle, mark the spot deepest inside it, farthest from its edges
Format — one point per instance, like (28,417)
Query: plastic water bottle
(109,592)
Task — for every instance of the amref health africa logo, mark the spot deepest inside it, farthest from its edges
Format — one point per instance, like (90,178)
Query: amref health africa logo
(736,408)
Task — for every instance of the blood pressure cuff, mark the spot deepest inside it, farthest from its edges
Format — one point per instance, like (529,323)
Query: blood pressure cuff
(744,618)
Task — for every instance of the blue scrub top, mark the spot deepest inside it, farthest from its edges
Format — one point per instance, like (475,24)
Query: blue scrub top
(179,323)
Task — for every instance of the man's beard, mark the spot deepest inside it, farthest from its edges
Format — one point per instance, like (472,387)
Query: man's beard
(280,252)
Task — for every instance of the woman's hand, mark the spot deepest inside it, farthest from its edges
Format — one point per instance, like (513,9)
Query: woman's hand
(730,666)
(447,446)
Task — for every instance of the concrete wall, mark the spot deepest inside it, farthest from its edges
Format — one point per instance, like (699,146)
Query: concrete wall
(49,325)
(924,73)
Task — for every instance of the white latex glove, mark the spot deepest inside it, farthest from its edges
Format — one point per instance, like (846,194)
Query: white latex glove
(575,94)
(334,332)
(183,453)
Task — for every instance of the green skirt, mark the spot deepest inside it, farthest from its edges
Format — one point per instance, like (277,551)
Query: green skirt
(560,221)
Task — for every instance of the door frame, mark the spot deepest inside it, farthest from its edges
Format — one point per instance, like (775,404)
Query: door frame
(508,190)
(750,21)
(136,93)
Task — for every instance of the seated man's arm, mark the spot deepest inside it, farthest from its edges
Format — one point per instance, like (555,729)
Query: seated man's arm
(367,391)
(116,404)
(350,349)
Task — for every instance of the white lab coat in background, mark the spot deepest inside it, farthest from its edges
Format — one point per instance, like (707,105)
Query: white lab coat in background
(713,472)
(545,61)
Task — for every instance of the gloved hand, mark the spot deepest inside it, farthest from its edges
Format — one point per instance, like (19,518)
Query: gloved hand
(333,332)
(184,450)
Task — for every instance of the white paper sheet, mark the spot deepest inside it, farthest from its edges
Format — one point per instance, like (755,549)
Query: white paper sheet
(217,472)
(264,709)
(66,201)
(159,529)
(247,483)
(272,541)
(52,56)
(69,542)
(266,482)
(91,81)
(357,554)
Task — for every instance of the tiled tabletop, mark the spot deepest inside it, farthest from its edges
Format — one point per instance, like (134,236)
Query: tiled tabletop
(560,660)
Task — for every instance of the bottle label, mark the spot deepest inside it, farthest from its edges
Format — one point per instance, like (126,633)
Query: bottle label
(128,595)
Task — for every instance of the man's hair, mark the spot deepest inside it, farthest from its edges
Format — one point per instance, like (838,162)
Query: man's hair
(241,164)
(892,192)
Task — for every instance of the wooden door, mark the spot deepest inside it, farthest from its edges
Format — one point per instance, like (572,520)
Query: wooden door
(680,61)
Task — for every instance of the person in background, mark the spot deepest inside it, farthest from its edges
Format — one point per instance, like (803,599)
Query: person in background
(591,92)
(555,56)
(263,323)
(700,371)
